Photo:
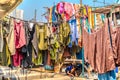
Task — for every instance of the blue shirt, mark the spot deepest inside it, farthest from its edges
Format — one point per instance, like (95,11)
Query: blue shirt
(69,68)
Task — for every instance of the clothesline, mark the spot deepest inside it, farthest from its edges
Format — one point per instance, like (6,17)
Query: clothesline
(58,22)
(114,5)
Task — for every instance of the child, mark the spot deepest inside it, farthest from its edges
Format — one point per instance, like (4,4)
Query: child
(71,70)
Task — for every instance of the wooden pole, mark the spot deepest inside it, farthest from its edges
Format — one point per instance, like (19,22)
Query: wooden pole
(82,40)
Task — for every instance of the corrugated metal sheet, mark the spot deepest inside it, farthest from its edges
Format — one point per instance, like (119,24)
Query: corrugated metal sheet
(107,9)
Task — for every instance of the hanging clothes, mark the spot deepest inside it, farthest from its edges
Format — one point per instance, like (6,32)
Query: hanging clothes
(6,55)
(54,14)
(74,32)
(99,54)
(68,10)
(61,34)
(38,59)
(84,11)
(42,37)
(66,33)
(50,15)
(29,34)
(90,17)
(60,7)
(77,16)
(11,38)
(111,75)
(33,37)
(77,7)
(116,47)
(20,41)
(1,38)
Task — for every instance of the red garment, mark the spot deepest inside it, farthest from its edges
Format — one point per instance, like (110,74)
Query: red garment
(17,58)
(19,35)
(20,41)
(53,29)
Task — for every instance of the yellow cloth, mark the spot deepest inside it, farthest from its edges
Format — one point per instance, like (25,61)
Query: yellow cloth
(8,54)
(41,34)
(50,14)
(66,29)
(10,38)
(53,54)
(61,34)
(5,56)
(38,60)
(92,20)
(84,11)
(66,32)
(90,16)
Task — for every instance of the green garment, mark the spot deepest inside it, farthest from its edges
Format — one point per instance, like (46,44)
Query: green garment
(38,60)
(64,31)
(53,54)
(61,34)
(54,49)
(5,56)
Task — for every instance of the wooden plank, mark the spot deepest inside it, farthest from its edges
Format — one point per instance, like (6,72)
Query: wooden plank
(73,60)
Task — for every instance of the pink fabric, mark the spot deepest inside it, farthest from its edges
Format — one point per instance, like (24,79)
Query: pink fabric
(60,7)
(19,35)
(69,10)
(20,41)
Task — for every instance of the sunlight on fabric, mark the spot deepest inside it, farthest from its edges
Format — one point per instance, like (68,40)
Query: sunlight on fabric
(6,6)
